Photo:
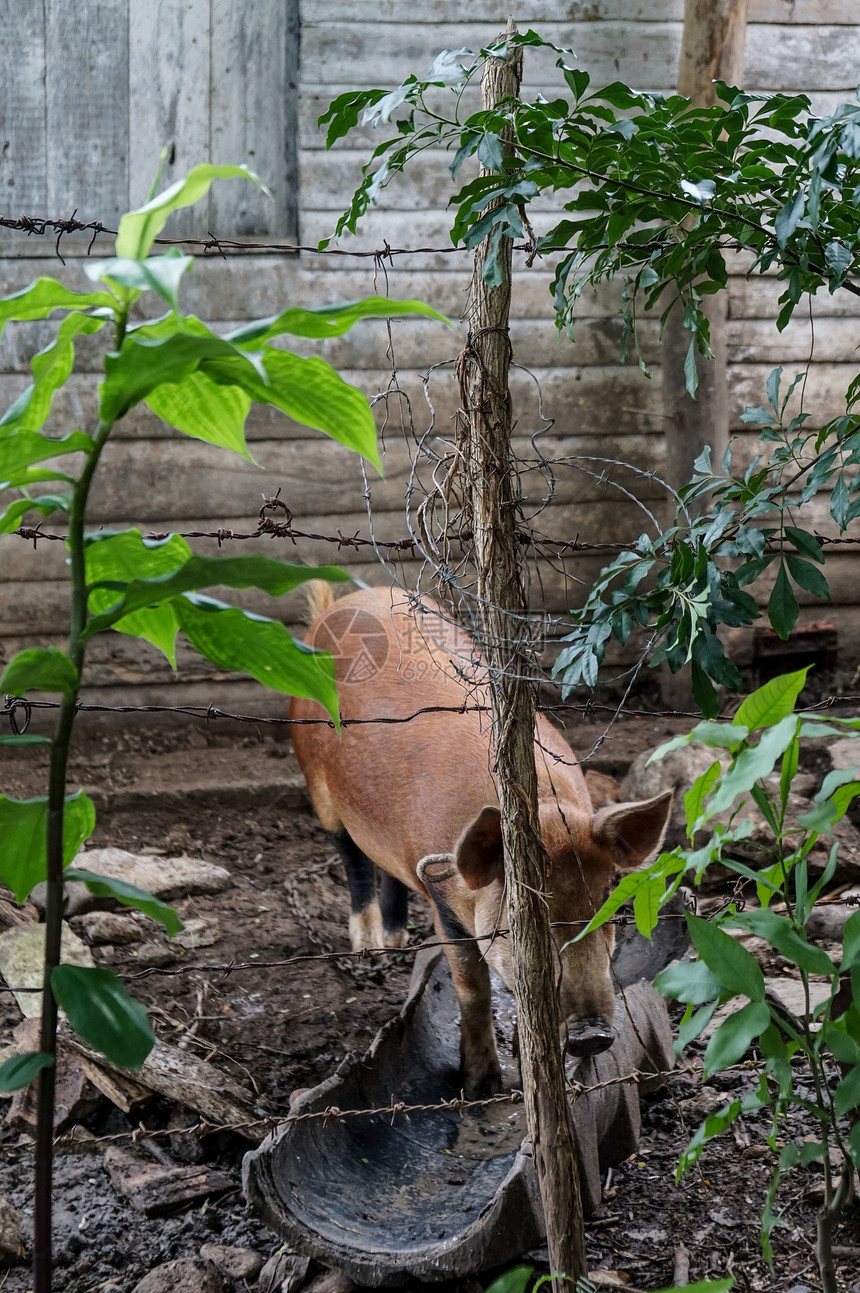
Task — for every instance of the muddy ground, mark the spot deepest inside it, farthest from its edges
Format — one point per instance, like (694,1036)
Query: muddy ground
(232,797)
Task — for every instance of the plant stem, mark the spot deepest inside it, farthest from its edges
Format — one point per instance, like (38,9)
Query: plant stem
(60,745)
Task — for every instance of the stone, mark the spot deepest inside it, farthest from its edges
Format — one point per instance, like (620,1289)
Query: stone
(11,1247)
(22,956)
(184,1275)
(235,1263)
(197,933)
(165,877)
(157,954)
(827,921)
(111,927)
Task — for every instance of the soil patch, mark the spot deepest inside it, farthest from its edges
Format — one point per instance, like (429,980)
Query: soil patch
(239,998)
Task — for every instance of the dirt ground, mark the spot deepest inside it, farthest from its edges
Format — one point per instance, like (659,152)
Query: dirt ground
(232,797)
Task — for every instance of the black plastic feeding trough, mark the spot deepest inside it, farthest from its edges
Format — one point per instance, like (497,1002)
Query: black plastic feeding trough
(441,1193)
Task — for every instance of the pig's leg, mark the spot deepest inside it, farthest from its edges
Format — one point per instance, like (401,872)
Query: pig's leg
(480,1070)
(394,902)
(365,918)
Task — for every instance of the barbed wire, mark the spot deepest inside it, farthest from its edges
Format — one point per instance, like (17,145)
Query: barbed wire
(211,244)
(286,530)
(12,705)
(395,1109)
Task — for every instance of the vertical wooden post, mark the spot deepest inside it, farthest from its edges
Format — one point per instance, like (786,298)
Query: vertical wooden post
(712,49)
(493,492)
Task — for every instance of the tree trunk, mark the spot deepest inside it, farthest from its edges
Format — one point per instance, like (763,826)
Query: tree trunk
(493,493)
(712,48)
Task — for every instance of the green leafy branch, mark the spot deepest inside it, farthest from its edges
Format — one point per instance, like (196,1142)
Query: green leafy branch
(755,762)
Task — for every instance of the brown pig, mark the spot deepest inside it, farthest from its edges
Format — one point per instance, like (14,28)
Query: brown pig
(394,795)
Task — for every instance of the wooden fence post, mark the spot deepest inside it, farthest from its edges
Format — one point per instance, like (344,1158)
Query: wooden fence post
(493,490)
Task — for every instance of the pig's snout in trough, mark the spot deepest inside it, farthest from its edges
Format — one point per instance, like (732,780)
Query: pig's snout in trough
(588,1037)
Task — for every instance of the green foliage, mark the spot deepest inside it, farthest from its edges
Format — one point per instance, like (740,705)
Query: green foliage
(101,1011)
(19,1070)
(760,752)
(655,193)
(23,829)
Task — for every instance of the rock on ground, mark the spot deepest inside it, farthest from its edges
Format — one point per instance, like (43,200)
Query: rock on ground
(237,1263)
(181,1276)
(10,1234)
(22,962)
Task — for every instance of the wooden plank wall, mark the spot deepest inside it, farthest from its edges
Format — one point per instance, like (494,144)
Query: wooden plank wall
(585,400)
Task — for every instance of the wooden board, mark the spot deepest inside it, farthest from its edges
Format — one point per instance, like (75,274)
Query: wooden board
(23,179)
(87,108)
(168,70)
(252,116)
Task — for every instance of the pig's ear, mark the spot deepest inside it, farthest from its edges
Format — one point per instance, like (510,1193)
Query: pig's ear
(633,831)
(479,850)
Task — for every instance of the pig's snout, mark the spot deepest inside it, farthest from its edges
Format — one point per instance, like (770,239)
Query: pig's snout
(588,1037)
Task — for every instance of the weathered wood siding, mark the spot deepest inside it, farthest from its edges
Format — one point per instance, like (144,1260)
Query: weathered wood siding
(225,81)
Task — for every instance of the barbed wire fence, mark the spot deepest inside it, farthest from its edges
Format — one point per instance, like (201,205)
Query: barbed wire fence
(436,551)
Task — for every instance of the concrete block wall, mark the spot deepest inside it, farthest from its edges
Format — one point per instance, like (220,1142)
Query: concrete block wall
(598,408)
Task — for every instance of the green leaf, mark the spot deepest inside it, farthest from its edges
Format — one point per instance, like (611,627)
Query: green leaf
(310,392)
(691,374)
(328,320)
(122,558)
(847,1095)
(23,825)
(53,366)
(807,577)
(694,799)
(39,669)
(153,356)
(44,296)
(102,1013)
(516,1280)
(733,1038)
(25,739)
(705,696)
(851,942)
(161,274)
(805,543)
(732,965)
(199,407)
(19,1070)
(754,762)
(789,217)
(235,639)
(105,886)
(779,933)
(114,557)
(23,448)
(782,608)
(772,702)
(688,981)
(646,904)
(139,229)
